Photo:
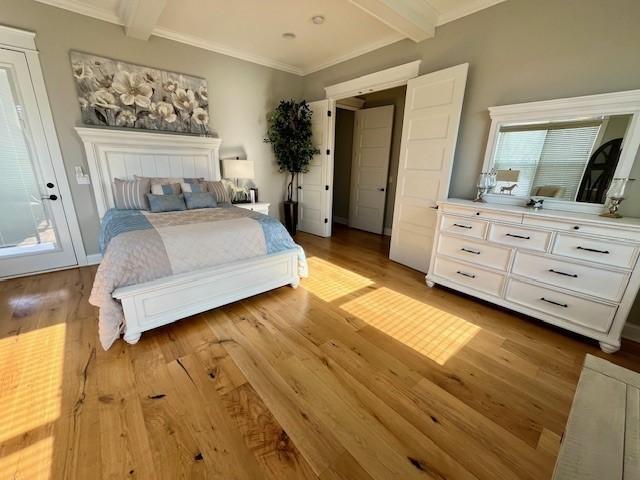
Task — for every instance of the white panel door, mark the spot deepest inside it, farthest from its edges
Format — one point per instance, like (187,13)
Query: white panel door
(34,234)
(369,168)
(429,134)
(314,187)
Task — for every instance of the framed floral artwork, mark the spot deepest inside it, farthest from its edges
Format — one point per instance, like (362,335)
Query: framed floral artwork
(119,94)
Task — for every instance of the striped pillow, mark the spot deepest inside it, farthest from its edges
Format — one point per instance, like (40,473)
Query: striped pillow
(195,187)
(219,191)
(165,188)
(131,194)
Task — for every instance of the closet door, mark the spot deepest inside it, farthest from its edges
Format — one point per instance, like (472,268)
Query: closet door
(429,133)
(314,186)
(34,234)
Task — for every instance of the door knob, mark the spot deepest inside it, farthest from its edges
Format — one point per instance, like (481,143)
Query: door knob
(50,185)
(381,189)
(299,187)
(49,197)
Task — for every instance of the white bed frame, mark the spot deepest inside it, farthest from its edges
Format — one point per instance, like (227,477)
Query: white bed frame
(125,153)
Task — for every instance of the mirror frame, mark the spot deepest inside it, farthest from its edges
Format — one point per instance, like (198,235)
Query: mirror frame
(574,108)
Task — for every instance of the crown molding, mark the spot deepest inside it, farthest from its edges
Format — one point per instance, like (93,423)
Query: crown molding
(17,38)
(353,54)
(466,10)
(87,10)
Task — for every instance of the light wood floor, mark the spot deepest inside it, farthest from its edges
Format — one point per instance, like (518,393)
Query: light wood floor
(361,373)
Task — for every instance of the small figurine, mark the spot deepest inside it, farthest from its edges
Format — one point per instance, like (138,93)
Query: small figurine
(535,203)
(508,189)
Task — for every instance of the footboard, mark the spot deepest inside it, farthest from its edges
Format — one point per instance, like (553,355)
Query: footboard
(166,300)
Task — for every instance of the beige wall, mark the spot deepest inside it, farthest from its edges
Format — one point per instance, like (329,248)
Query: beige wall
(342,162)
(395,97)
(518,51)
(240,93)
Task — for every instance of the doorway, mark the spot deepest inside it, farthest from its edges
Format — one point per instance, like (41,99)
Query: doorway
(368,134)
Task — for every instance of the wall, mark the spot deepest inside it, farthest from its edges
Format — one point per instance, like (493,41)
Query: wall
(395,97)
(241,93)
(518,51)
(342,157)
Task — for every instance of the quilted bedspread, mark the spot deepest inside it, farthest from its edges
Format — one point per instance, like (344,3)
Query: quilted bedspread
(140,246)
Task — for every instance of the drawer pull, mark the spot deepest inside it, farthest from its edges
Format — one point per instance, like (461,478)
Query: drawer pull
(462,226)
(563,273)
(465,274)
(606,252)
(517,236)
(470,251)
(564,305)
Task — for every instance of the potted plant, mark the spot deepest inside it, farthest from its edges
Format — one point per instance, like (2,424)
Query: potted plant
(290,135)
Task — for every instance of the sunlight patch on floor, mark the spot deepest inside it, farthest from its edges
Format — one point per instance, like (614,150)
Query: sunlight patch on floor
(330,282)
(31,368)
(32,462)
(428,330)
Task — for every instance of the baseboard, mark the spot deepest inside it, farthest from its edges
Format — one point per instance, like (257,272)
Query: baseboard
(387,232)
(340,220)
(631,331)
(94,259)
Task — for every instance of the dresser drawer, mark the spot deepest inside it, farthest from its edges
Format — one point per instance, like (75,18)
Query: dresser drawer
(473,277)
(516,236)
(594,281)
(586,313)
(593,250)
(484,214)
(588,229)
(463,226)
(475,252)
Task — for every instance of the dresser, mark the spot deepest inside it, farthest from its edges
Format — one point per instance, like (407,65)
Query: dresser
(577,271)
(259,207)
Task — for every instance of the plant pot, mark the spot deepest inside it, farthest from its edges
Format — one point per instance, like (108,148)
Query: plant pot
(291,217)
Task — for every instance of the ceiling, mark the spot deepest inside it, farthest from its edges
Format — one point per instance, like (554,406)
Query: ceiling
(252,29)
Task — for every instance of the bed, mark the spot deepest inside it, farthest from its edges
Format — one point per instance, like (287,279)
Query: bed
(160,267)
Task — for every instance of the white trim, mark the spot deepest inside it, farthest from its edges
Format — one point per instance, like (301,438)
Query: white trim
(24,41)
(340,220)
(352,103)
(588,106)
(116,152)
(465,10)
(373,82)
(94,259)
(224,50)
(387,231)
(82,8)
(414,19)
(353,54)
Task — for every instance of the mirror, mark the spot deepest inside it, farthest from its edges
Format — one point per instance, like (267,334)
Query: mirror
(571,159)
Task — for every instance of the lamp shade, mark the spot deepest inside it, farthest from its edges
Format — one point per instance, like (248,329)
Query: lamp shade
(232,168)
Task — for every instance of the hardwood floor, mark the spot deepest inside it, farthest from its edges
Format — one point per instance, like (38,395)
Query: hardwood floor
(361,373)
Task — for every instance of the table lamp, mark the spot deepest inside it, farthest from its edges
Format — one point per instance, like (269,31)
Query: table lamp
(236,169)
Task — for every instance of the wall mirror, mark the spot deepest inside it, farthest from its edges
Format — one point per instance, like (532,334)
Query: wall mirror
(567,151)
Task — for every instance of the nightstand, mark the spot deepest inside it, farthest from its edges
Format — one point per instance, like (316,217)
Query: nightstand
(255,207)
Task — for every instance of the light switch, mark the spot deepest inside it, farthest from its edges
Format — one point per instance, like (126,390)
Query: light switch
(81,177)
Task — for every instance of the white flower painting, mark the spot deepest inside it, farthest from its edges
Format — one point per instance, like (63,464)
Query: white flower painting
(114,93)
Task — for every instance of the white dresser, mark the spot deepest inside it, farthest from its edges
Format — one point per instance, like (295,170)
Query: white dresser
(577,271)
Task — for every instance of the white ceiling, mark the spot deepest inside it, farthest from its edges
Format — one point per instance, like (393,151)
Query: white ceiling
(252,29)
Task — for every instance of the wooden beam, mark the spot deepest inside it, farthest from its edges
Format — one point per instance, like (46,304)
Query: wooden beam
(414,18)
(140,16)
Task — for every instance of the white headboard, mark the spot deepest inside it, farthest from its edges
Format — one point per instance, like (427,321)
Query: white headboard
(121,153)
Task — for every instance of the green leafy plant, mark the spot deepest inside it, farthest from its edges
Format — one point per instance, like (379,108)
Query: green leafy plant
(290,135)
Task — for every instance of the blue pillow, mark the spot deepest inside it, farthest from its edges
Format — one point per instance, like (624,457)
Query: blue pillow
(166,203)
(200,200)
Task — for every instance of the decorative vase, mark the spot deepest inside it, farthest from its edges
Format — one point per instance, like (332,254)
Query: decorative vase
(291,216)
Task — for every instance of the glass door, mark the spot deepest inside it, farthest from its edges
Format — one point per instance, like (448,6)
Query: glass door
(34,234)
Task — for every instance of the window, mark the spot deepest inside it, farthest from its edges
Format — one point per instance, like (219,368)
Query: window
(551,155)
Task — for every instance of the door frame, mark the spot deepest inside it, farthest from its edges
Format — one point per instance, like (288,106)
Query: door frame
(373,82)
(23,41)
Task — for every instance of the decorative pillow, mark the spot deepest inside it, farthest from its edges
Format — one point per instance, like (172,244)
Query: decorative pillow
(131,194)
(165,188)
(219,191)
(199,200)
(195,187)
(166,203)
(170,180)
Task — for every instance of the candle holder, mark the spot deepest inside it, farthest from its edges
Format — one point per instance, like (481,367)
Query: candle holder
(615,194)
(486,183)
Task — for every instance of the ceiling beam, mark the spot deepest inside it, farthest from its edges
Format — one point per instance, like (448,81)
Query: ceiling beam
(139,17)
(416,19)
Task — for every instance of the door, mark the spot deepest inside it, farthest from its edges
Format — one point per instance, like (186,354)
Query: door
(370,167)
(429,134)
(314,186)
(34,234)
